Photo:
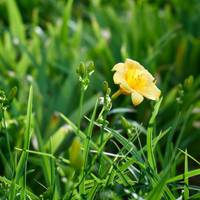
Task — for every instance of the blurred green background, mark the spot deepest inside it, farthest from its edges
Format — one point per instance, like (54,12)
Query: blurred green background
(42,43)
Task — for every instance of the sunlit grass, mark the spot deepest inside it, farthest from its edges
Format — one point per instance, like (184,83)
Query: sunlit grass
(62,134)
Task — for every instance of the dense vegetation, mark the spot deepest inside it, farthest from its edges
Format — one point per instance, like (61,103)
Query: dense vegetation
(62,136)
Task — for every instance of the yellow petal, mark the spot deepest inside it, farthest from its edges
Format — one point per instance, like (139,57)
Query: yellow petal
(118,78)
(120,67)
(134,65)
(136,98)
(150,91)
(125,88)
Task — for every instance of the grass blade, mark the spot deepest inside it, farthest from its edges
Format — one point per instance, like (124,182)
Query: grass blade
(66,17)
(150,154)
(18,187)
(186,190)
(86,147)
(15,20)
(22,164)
(188,174)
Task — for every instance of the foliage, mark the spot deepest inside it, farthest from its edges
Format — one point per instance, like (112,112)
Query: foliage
(60,141)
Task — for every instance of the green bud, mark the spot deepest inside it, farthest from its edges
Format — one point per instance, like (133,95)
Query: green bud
(84,71)
(75,154)
(81,70)
(90,67)
(109,91)
(105,87)
(188,82)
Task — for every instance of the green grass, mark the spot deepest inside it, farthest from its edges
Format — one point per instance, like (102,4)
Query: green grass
(57,139)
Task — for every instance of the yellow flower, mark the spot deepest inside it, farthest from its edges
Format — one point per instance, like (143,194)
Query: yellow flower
(135,80)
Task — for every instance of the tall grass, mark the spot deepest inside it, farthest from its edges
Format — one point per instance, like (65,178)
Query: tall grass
(69,145)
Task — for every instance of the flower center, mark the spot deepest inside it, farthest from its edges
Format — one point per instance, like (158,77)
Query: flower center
(135,79)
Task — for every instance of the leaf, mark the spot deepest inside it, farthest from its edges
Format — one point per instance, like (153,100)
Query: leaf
(157,191)
(66,17)
(15,20)
(58,137)
(18,187)
(186,190)
(86,148)
(188,174)
(21,166)
(150,154)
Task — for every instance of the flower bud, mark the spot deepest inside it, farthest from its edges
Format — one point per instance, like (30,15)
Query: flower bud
(188,82)
(75,154)
(90,67)
(82,70)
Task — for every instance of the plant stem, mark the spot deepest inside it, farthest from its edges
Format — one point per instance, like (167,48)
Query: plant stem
(116,94)
(80,109)
(82,189)
(8,142)
(101,142)
(86,150)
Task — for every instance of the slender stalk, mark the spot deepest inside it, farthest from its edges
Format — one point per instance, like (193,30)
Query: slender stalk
(8,142)
(79,126)
(86,152)
(21,167)
(101,142)
(116,94)
(80,108)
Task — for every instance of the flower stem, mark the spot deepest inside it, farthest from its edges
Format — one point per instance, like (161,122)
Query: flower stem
(80,109)
(116,94)
(82,188)
(8,142)
(101,143)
